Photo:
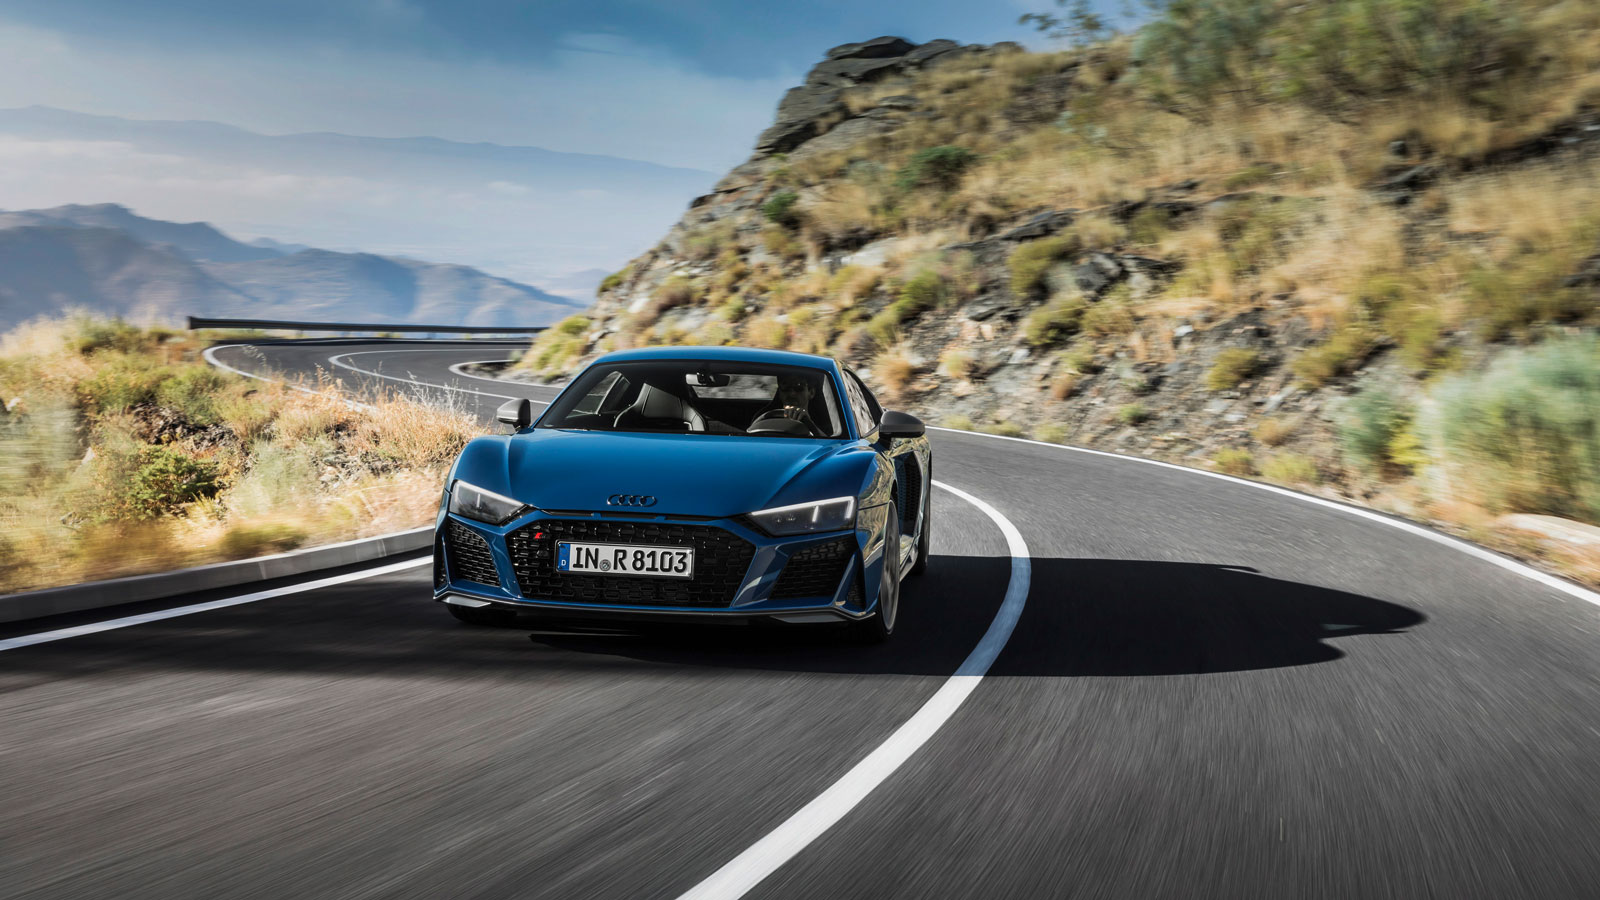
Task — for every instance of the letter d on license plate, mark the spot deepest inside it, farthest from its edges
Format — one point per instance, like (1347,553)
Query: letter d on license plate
(625,559)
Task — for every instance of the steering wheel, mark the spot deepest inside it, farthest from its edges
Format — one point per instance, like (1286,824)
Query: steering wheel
(784,420)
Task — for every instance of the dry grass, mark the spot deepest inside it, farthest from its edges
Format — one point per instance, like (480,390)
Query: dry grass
(892,371)
(287,468)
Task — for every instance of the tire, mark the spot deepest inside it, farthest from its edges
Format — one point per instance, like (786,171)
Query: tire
(483,616)
(925,540)
(880,625)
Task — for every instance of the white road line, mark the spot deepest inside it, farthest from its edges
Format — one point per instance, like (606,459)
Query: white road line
(764,857)
(427,384)
(1560,584)
(61,634)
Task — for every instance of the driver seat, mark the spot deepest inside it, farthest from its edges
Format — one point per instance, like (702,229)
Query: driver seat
(658,410)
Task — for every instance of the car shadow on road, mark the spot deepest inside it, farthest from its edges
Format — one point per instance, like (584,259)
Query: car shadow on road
(1084,617)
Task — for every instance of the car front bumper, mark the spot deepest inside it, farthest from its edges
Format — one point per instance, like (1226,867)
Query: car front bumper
(740,572)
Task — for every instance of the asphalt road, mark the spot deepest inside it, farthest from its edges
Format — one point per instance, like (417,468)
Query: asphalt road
(1214,690)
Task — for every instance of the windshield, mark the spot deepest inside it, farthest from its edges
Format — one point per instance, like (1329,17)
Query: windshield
(702,397)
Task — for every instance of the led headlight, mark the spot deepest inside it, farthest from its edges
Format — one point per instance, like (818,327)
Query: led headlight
(803,518)
(474,502)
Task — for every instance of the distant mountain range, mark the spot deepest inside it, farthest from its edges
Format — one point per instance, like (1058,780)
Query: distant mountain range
(108,260)
(536,215)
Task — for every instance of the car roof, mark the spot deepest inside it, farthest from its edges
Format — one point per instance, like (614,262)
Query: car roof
(721,354)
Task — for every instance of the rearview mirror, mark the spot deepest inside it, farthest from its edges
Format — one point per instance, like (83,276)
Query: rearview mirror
(516,413)
(901,425)
(709,379)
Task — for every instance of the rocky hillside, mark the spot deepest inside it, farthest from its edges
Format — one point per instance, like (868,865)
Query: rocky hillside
(1275,265)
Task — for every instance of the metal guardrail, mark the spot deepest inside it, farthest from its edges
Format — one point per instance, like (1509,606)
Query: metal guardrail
(197,322)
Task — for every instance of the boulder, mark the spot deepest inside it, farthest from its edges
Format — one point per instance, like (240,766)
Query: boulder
(847,72)
(1099,272)
(877,48)
(799,115)
(1040,225)
(934,50)
(898,101)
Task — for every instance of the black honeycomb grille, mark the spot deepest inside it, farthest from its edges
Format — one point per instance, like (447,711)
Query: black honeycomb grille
(815,570)
(468,555)
(910,494)
(721,560)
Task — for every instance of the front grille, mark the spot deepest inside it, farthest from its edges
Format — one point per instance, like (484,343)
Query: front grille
(815,570)
(721,560)
(468,555)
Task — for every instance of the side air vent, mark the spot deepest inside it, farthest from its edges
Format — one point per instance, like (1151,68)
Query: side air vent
(468,555)
(814,571)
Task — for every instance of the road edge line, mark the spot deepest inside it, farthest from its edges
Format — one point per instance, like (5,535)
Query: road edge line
(1514,566)
(735,878)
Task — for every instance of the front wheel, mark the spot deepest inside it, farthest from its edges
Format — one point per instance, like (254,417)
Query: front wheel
(880,625)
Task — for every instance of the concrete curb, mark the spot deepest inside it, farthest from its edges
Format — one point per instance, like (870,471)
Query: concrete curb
(137,588)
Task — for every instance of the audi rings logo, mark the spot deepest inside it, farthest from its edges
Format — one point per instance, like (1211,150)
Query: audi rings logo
(630,500)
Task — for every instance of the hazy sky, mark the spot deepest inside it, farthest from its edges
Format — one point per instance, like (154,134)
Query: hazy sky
(686,83)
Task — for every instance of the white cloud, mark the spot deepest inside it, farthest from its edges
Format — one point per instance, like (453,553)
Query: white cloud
(600,94)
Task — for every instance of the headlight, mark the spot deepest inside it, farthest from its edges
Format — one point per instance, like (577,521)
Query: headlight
(802,518)
(485,506)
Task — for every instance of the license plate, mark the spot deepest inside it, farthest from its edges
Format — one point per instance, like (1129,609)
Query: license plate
(625,559)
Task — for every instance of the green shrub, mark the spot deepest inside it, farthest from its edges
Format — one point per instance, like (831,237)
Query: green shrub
(780,209)
(1032,260)
(1339,355)
(939,167)
(1526,432)
(959,423)
(260,539)
(1232,366)
(93,335)
(1507,299)
(923,291)
(679,290)
(572,326)
(780,243)
(1235,461)
(163,481)
(1050,433)
(1290,468)
(1054,322)
(194,391)
(1132,414)
(1003,428)
(1368,427)
(1249,176)
(122,383)
(733,309)
(613,281)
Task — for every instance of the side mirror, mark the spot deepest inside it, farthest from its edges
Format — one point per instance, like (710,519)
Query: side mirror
(516,413)
(901,425)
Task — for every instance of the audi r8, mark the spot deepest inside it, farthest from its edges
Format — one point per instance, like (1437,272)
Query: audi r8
(691,483)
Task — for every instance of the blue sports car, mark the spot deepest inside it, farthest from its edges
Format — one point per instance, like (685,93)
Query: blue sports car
(691,483)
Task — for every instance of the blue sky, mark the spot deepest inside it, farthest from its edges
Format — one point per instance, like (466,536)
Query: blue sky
(687,83)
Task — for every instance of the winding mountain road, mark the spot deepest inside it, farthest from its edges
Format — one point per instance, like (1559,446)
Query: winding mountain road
(1214,689)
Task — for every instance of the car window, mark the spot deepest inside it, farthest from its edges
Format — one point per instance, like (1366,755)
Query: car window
(591,400)
(862,404)
(718,397)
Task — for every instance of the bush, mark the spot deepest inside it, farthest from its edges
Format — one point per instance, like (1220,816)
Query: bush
(1231,367)
(780,243)
(959,423)
(679,290)
(1526,432)
(922,292)
(780,210)
(1132,414)
(243,541)
(939,167)
(1273,432)
(707,241)
(194,392)
(1290,468)
(163,481)
(1054,322)
(613,281)
(956,362)
(1235,461)
(572,326)
(1109,318)
(1368,427)
(1032,260)
(1050,433)
(893,371)
(1003,428)
(768,333)
(1339,355)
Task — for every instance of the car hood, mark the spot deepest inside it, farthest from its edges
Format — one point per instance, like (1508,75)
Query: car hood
(688,474)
